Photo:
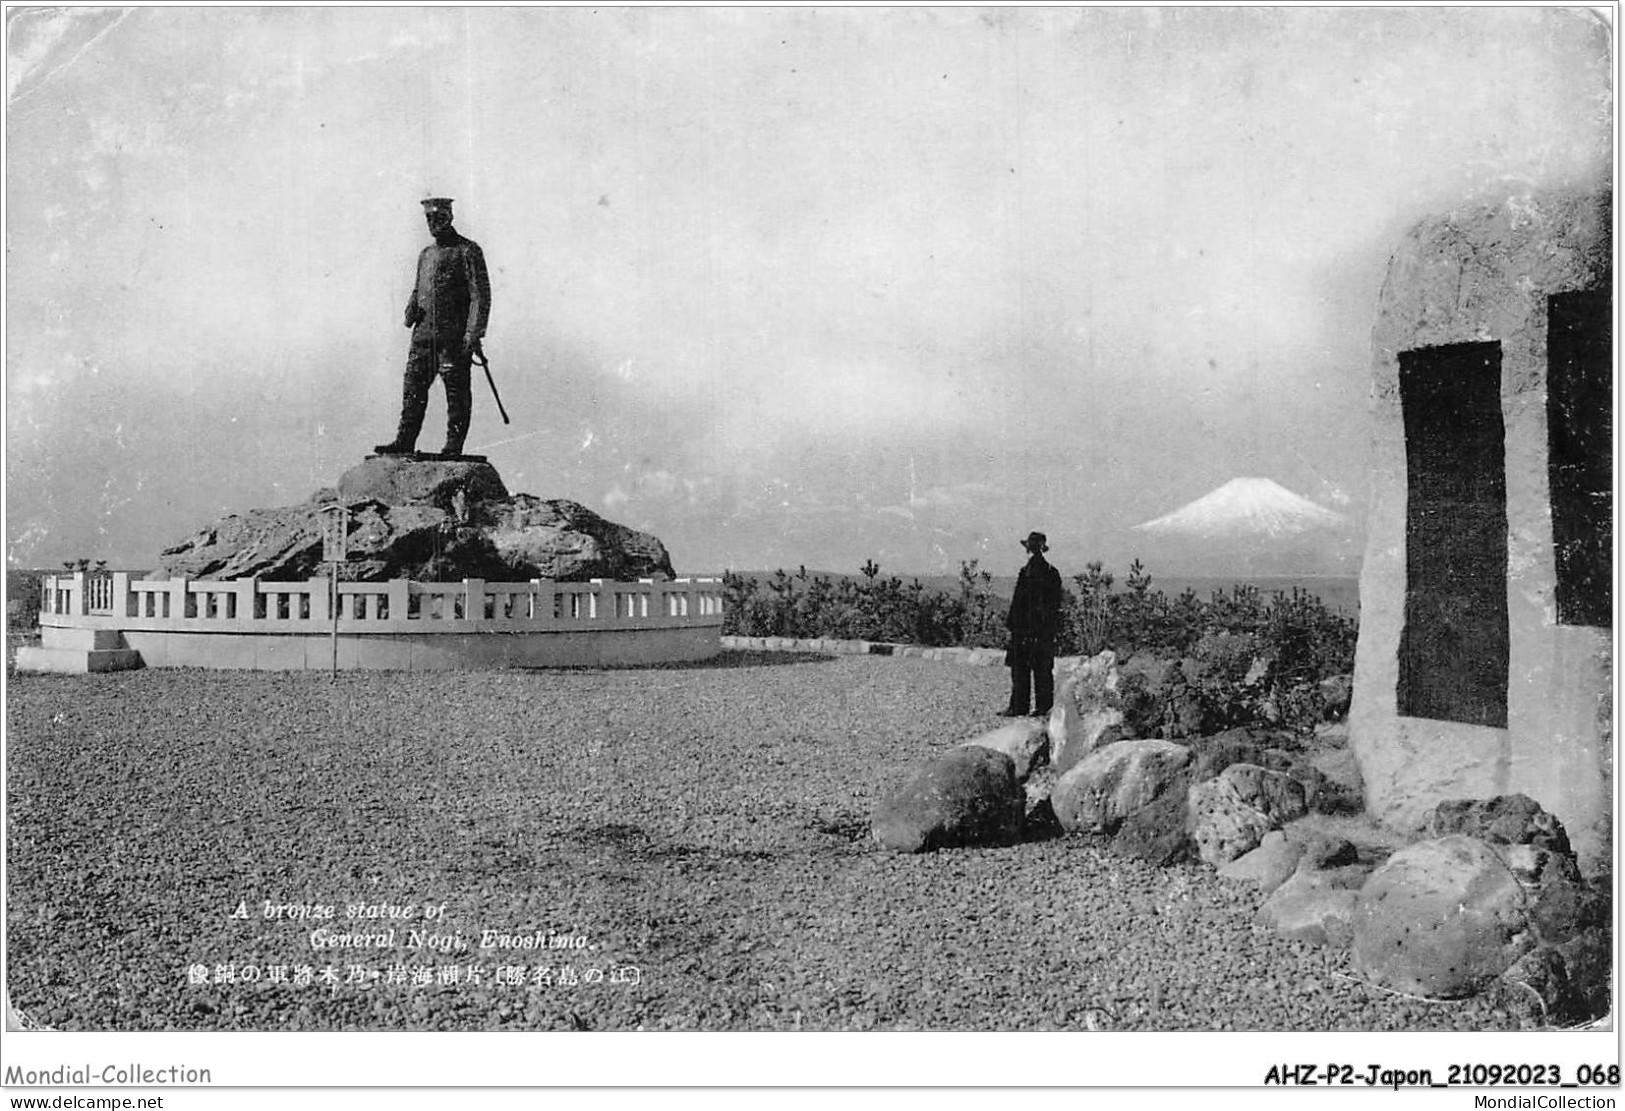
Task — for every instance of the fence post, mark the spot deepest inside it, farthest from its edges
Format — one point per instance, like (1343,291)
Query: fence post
(319,589)
(247,598)
(473,599)
(177,598)
(121,602)
(400,599)
(542,600)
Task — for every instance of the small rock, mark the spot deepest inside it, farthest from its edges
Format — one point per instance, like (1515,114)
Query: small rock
(1541,973)
(1222,824)
(1275,794)
(1561,908)
(1340,789)
(1322,851)
(1312,907)
(1024,740)
(1040,815)
(1332,735)
(1535,866)
(1336,693)
(1268,866)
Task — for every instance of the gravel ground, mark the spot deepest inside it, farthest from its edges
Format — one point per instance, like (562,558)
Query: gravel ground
(701,831)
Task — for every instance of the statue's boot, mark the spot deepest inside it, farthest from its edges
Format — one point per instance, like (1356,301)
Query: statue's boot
(414,401)
(459,413)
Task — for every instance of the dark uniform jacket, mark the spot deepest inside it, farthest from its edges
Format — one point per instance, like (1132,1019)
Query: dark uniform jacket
(451,301)
(1035,611)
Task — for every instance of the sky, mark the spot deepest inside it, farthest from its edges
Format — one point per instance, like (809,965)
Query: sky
(781,286)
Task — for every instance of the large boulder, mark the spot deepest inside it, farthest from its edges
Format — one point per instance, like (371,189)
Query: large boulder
(426,519)
(1095,795)
(1441,919)
(1088,710)
(1534,846)
(1523,907)
(1157,832)
(964,796)
(566,541)
(1502,820)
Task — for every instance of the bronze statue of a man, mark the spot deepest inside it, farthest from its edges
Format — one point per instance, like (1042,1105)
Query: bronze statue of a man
(448,310)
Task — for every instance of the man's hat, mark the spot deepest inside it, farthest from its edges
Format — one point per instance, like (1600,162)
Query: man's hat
(436,204)
(1036,542)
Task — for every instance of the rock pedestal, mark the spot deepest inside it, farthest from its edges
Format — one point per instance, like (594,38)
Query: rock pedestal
(427,519)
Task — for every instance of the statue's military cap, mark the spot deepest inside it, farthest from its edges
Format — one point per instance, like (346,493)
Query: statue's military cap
(436,204)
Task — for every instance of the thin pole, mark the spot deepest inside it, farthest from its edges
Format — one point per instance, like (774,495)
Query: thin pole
(334,606)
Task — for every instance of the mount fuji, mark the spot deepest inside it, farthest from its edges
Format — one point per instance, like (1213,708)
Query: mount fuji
(1253,526)
(1246,507)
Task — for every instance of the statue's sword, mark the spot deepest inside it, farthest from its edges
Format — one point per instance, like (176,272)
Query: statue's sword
(478,355)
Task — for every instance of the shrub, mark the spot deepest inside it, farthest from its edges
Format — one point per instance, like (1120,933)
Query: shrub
(23,599)
(1298,639)
(868,607)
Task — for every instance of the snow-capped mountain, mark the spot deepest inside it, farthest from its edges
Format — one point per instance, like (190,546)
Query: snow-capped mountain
(1250,526)
(1246,507)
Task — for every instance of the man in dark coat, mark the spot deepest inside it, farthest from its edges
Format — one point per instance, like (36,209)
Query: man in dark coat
(448,310)
(1035,622)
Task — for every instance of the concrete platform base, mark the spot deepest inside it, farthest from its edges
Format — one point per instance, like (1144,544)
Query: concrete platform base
(77,661)
(426,651)
(81,640)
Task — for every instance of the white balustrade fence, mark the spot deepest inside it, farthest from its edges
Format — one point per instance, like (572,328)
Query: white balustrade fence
(115,600)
